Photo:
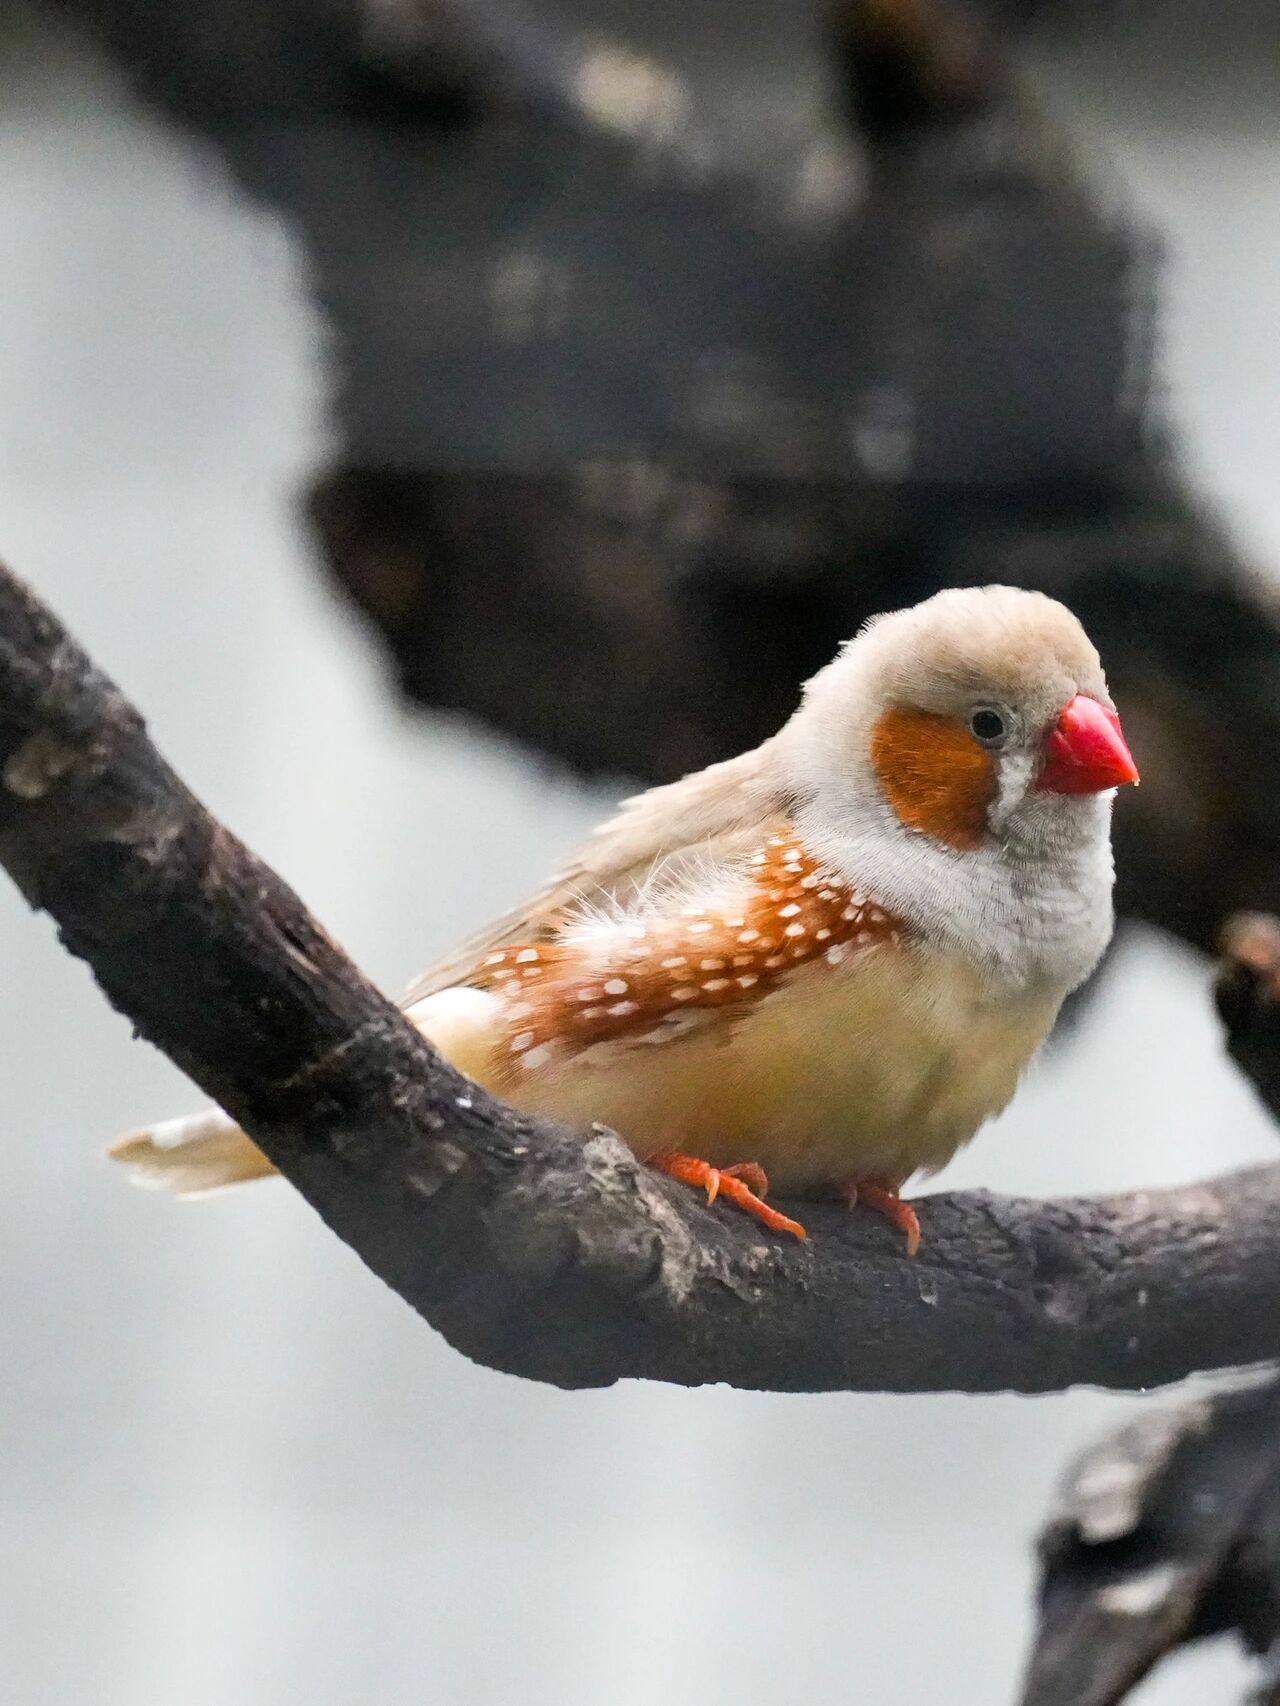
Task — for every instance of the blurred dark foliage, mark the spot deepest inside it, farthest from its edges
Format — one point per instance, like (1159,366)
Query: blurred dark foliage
(651,386)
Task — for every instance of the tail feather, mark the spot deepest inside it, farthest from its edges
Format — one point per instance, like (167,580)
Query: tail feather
(203,1152)
(191,1156)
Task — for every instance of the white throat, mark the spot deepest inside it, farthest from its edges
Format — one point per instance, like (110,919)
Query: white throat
(1029,910)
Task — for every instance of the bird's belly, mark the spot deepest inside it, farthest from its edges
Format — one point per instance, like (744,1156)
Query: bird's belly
(876,1070)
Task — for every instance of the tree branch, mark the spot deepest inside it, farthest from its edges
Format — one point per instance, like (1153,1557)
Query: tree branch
(531,1249)
(1165,1532)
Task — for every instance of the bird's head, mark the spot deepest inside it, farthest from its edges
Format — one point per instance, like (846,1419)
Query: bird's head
(978,718)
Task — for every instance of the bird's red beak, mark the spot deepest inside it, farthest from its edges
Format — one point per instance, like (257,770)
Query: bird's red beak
(1086,751)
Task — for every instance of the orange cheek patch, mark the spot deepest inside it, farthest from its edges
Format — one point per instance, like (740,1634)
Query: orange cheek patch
(935,776)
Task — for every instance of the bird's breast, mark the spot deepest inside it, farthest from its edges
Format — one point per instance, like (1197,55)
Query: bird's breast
(879,1068)
(788,1019)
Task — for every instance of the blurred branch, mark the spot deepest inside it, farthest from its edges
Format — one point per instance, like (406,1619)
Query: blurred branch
(1168,1531)
(906,350)
(531,1248)
(601,370)
(1248,996)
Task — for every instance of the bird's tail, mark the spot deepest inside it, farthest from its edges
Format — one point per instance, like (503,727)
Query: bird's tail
(204,1152)
(189,1156)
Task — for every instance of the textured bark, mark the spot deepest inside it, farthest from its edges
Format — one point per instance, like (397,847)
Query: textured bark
(534,1249)
(1168,1531)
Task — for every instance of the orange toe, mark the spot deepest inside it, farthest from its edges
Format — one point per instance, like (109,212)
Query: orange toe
(752,1175)
(744,1184)
(883,1198)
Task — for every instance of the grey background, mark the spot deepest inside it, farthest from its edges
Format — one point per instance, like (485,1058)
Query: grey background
(232,1467)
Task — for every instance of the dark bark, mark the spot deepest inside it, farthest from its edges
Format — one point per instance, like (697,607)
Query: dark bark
(534,1249)
(1168,1531)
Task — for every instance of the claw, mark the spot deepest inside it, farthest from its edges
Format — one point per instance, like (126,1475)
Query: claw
(752,1175)
(744,1185)
(882,1197)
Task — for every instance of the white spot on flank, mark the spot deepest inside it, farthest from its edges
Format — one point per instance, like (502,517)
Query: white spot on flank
(865,936)
(849,914)
(749,936)
(674,962)
(773,962)
(521,1041)
(734,923)
(494,959)
(621,1009)
(591,1013)
(794,930)
(791,911)
(463,1102)
(686,992)
(746,982)
(742,959)
(714,985)
(526,955)
(616,986)
(700,928)
(536,1057)
(590,993)
(711,965)
(822,935)
(519,1010)
(835,955)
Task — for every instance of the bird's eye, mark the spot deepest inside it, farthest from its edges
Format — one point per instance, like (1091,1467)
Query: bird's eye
(987,725)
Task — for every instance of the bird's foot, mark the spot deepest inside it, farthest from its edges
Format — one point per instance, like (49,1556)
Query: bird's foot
(882,1196)
(747,1185)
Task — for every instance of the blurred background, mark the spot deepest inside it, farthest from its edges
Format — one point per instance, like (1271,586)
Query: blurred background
(232,1466)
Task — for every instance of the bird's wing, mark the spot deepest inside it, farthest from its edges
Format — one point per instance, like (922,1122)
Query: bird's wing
(713,814)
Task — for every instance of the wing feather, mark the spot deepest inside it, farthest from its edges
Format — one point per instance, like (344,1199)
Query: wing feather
(713,814)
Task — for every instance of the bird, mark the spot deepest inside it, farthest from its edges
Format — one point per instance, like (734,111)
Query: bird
(817,968)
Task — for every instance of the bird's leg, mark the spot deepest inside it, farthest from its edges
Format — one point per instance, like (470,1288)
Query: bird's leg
(882,1196)
(746,1185)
